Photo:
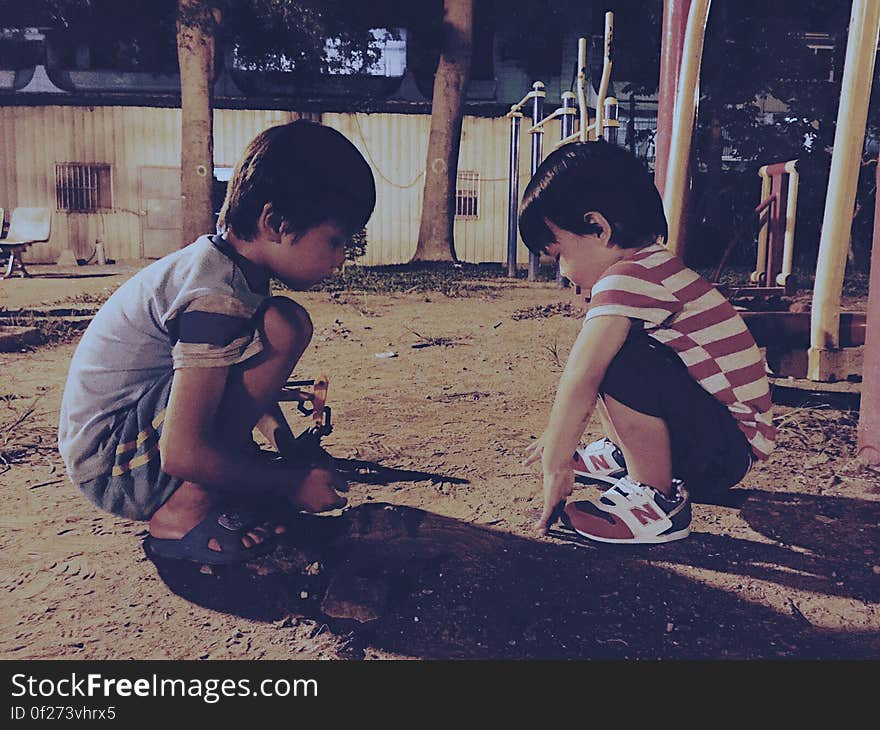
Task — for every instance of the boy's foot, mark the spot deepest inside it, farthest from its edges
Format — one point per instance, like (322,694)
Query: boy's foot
(633,513)
(192,516)
(222,537)
(600,461)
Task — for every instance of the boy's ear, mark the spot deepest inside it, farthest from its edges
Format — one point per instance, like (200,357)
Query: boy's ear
(272,221)
(598,225)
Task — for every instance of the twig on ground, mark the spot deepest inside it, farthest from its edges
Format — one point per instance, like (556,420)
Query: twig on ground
(426,341)
(45,484)
(16,443)
(554,354)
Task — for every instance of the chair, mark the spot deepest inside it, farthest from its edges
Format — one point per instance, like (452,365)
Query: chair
(26,226)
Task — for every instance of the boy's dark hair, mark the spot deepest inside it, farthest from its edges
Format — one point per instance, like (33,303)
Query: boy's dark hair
(309,172)
(585,176)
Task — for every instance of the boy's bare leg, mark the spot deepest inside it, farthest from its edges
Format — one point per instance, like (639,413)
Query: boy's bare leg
(644,441)
(605,419)
(251,390)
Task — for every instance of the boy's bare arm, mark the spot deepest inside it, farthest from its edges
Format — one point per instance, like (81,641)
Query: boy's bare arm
(274,426)
(194,449)
(599,341)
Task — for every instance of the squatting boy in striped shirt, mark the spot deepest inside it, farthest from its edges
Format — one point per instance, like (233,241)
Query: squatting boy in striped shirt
(680,384)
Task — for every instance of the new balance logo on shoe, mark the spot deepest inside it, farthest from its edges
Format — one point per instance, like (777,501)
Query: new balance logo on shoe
(646,514)
(601,461)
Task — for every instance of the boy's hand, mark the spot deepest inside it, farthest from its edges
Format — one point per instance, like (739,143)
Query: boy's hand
(318,491)
(558,484)
(534,451)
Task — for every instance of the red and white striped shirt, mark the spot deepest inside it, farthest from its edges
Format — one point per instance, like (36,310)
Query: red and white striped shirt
(686,313)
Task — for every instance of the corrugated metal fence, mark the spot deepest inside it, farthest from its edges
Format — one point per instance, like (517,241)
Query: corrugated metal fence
(34,141)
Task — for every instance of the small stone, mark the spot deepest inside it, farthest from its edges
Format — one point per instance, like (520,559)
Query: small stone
(304,595)
(669,627)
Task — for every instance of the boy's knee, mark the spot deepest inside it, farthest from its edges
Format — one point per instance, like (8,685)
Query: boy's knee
(286,324)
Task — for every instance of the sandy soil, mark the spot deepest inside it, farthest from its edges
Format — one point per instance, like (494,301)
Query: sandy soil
(787,566)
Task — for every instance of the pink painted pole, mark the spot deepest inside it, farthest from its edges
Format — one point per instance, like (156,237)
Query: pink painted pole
(869,411)
(675,15)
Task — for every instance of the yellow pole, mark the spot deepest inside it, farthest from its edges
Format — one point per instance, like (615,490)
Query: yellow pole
(606,76)
(852,114)
(790,215)
(761,261)
(582,89)
(686,102)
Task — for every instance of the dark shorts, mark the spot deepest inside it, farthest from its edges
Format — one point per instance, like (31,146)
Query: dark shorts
(709,451)
(137,486)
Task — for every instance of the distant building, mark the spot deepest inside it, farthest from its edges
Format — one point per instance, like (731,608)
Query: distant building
(92,130)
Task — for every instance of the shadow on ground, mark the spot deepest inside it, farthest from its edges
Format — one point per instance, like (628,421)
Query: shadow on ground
(68,274)
(419,584)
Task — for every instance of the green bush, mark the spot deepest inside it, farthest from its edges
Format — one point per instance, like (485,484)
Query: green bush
(356,246)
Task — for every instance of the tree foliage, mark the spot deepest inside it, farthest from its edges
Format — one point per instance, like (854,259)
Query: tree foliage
(267,35)
(757,50)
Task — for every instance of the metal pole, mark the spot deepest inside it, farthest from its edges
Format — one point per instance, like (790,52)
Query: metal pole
(759,275)
(790,219)
(852,115)
(675,15)
(606,76)
(686,100)
(569,100)
(610,120)
(513,194)
(537,140)
(568,103)
(582,89)
(869,411)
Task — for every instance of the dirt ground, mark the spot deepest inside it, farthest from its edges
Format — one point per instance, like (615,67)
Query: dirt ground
(436,556)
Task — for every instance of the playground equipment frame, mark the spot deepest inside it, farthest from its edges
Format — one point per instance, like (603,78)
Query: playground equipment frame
(586,131)
(827,360)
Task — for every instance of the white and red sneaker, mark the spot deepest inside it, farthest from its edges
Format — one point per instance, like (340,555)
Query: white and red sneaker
(633,513)
(600,461)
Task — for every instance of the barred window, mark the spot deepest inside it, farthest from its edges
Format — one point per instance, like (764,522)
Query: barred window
(82,187)
(467,194)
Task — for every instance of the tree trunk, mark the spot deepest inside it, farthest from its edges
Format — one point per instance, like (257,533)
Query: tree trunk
(436,241)
(196,26)
(714,171)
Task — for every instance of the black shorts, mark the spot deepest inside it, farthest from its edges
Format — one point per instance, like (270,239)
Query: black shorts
(710,453)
